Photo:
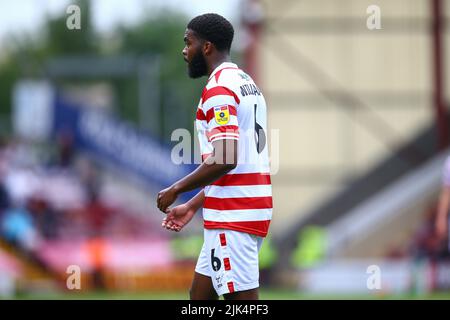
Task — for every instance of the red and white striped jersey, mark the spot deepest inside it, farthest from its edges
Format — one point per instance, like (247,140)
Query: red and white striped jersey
(233,107)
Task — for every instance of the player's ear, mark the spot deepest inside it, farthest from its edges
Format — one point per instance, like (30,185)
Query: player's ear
(207,48)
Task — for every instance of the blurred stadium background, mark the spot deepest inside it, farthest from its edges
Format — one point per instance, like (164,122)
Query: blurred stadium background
(359,123)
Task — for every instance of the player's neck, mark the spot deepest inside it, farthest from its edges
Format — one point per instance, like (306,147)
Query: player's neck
(217,62)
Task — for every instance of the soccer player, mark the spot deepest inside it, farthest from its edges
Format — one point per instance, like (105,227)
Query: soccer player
(231,122)
(444,204)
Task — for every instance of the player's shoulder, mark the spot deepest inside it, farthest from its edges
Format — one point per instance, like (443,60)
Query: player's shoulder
(232,77)
(215,93)
(234,80)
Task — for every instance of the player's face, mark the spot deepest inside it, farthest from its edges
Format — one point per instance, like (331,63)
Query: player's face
(193,55)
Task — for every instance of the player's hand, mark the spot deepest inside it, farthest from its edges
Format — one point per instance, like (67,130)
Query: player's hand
(165,198)
(441,228)
(178,217)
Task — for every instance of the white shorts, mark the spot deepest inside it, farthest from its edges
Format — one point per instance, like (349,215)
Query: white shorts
(230,258)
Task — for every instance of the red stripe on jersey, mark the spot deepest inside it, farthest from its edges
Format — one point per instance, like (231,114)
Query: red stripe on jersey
(243,179)
(219,91)
(200,114)
(258,228)
(238,203)
(223,240)
(210,113)
(230,286)
(217,75)
(222,129)
(226,263)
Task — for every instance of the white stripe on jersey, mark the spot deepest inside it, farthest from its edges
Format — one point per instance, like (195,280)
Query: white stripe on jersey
(229,134)
(251,168)
(264,190)
(237,215)
(224,137)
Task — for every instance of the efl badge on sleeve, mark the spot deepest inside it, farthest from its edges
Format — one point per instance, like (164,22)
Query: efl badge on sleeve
(222,115)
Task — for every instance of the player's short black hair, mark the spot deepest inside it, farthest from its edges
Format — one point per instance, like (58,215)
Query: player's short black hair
(214,28)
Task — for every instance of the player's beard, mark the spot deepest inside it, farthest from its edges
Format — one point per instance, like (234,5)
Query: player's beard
(197,67)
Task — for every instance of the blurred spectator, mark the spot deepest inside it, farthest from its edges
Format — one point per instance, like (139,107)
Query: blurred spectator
(441,221)
(88,174)
(396,252)
(21,183)
(18,228)
(98,214)
(60,201)
(65,149)
(4,198)
(426,242)
(45,217)
(96,249)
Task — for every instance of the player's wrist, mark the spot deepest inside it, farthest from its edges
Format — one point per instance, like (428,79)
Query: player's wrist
(176,189)
(191,206)
(195,203)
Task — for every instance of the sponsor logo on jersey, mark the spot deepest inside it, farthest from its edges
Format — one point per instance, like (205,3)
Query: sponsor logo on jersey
(222,115)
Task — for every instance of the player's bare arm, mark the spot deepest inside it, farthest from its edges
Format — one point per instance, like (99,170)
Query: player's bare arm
(442,215)
(220,162)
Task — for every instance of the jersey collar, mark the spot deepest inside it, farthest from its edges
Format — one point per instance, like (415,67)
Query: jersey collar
(221,67)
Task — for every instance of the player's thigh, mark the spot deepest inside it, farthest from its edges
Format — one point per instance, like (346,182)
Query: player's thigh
(202,288)
(252,294)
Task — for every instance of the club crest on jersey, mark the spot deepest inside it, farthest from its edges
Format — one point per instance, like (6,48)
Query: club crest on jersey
(222,115)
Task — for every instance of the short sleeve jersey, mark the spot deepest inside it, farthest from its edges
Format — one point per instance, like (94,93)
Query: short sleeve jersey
(233,107)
